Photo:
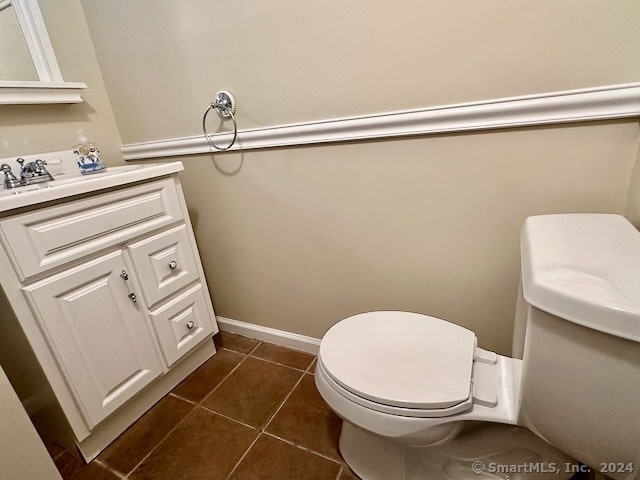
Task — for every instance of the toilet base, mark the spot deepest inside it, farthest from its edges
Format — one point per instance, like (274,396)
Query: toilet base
(500,450)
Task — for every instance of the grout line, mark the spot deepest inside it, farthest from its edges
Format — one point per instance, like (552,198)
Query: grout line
(260,430)
(159,442)
(196,405)
(243,455)
(268,422)
(182,398)
(340,473)
(54,458)
(280,364)
(228,417)
(255,348)
(251,350)
(302,447)
(108,468)
(223,380)
(310,365)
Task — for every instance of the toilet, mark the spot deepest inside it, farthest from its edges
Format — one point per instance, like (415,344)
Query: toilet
(420,399)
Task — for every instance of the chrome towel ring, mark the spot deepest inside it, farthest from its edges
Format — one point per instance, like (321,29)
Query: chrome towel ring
(225,105)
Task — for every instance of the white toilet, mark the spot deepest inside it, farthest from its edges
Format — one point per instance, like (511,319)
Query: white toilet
(420,399)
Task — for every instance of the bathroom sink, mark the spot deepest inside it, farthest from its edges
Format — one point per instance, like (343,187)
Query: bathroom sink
(72,177)
(71,183)
(585,268)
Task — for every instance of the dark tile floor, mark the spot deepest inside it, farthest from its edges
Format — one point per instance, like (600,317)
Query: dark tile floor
(252,412)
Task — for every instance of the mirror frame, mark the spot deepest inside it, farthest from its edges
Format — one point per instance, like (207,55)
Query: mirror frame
(50,88)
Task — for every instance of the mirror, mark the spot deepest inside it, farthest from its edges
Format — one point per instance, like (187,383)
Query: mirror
(29,71)
(15,59)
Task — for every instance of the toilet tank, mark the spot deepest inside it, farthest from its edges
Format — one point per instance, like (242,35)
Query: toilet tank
(578,330)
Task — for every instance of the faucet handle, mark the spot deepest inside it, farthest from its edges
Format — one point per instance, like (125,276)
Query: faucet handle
(40,166)
(20,160)
(6,169)
(10,180)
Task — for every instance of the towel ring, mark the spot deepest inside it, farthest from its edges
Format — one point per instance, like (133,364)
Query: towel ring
(225,105)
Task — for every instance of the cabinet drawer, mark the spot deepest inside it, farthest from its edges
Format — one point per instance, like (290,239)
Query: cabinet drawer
(52,236)
(164,263)
(182,323)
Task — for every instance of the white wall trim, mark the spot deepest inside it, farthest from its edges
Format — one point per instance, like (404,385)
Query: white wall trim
(601,103)
(23,93)
(271,335)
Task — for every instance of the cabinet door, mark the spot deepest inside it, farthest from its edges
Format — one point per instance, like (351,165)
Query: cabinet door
(97,333)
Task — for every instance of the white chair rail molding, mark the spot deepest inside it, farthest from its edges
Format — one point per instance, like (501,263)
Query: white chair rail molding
(570,106)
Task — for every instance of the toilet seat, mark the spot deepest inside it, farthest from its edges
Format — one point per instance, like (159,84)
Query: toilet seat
(400,363)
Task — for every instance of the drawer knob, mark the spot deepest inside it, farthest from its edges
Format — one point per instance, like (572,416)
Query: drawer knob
(190,324)
(124,275)
(173,264)
(133,297)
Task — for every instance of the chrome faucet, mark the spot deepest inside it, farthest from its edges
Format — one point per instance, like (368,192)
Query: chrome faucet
(32,172)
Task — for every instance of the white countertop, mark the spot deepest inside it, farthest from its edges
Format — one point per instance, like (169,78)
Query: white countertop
(74,183)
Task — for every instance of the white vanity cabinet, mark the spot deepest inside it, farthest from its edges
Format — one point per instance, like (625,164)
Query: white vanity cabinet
(111,296)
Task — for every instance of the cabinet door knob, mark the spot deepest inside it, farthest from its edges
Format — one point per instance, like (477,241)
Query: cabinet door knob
(190,324)
(173,264)
(124,275)
(133,297)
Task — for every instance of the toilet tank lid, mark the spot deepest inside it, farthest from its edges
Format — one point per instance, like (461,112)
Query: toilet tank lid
(401,359)
(584,268)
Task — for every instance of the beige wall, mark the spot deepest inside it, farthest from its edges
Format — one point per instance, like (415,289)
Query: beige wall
(632,210)
(23,454)
(39,128)
(298,238)
(292,61)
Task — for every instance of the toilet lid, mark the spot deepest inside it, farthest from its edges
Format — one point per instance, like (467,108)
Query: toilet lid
(400,359)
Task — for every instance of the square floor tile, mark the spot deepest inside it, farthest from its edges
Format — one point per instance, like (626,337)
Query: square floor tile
(273,459)
(203,380)
(205,446)
(305,419)
(231,341)
(253,392)
(72,468)
(284,356)
(133,445)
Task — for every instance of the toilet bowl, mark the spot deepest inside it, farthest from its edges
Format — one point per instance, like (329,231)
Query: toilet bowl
(404,394)
(403,383)
(420,400)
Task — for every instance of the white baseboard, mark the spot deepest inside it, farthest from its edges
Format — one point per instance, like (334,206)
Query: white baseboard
(271,335)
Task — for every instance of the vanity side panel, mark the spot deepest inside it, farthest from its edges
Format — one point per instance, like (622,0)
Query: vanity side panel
(194,246)
(32,369)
